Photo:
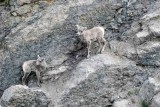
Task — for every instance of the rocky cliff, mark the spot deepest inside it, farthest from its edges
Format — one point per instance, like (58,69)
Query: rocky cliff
(47,28)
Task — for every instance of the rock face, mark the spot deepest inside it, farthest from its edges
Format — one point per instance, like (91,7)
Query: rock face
(150,88)
(97,81)
(118,47)
(150,91)
(148,50)
(51,33)
(47,28)
(22,96)
(131,102)
(123,103)
(156,101)
(22,2)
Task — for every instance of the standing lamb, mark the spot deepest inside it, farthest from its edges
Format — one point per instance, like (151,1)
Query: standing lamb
(37,66)
(90,35)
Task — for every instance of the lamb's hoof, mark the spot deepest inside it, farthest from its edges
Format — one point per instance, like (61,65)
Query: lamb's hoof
(88,56)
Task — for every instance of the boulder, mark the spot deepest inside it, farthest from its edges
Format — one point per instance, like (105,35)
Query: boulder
(148,53)
(23,10)
(22,96)
(22,2)
(155,28)
(118,48)
(147,39)
(51,32)
(156,101)
(130,102)
(150,88)
(96,80)
(121,103)
(142,36)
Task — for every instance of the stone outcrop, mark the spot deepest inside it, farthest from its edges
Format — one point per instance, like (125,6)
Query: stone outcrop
(22,96)
(150,88)
(156,101)
(22,2)
(51,33)
(97,81)
(47,28)
(150,91)
(130,102)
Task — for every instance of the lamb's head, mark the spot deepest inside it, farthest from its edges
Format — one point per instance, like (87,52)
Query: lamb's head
(80,30)
(40,61)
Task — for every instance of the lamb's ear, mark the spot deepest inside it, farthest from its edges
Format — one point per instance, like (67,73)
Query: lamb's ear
(78,27)
(78,33)
(38,56)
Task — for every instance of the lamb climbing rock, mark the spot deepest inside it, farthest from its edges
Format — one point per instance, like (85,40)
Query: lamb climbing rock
(90,35)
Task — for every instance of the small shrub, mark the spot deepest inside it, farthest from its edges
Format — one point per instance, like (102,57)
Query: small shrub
(1,1)
(144,104)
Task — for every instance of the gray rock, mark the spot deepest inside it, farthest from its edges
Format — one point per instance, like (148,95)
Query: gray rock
(122,103)
(154,28)
(148,53)
(118,47)
(130,102)
(150,88)
(146,40)
(114,26)
(96,80)
(23,10)
(156,101)
(43,4)
(142,36)
(22,2)
(151,15)
(50,32)
(14,13)
(18,96)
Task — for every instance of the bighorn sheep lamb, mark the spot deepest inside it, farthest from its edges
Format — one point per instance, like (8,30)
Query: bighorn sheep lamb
(94,34)
(33,65)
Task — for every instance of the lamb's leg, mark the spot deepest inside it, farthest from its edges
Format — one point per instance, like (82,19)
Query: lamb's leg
(88,48)
(100,47)
(38,77)
(26,74)
(104,44)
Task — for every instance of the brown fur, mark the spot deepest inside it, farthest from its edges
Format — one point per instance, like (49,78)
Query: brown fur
(90,35)
(37,66)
